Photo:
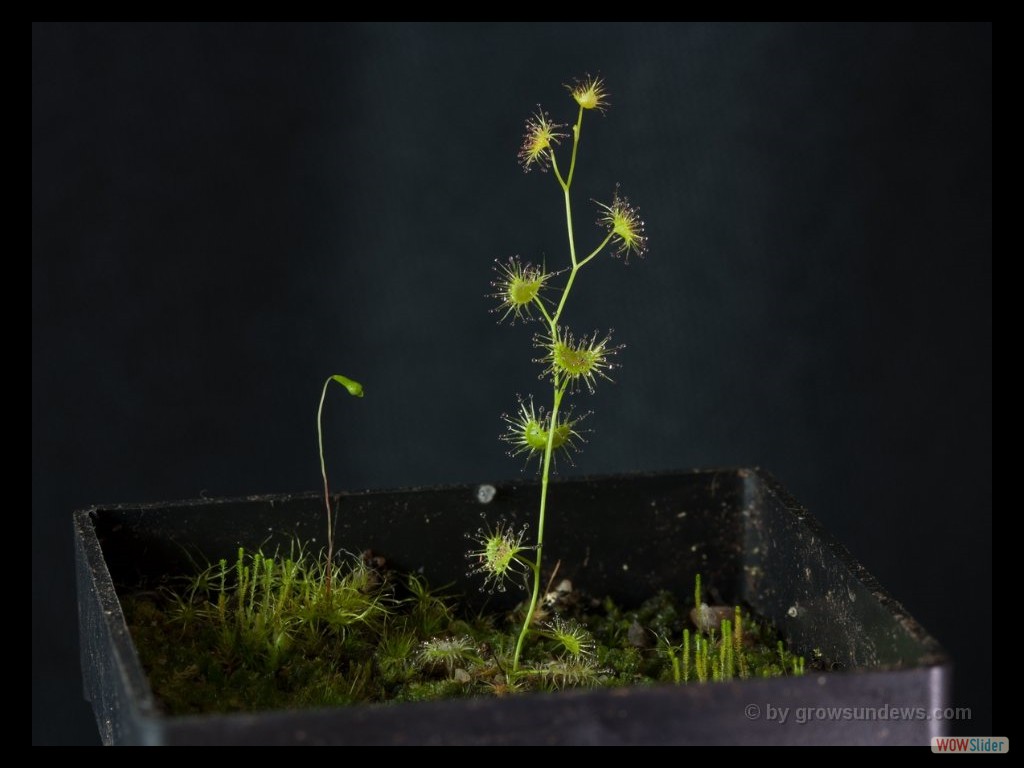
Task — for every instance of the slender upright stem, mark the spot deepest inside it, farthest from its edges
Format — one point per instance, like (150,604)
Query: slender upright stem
(575,146)
(356,390)
(545,475)
(327,493)
(559,387)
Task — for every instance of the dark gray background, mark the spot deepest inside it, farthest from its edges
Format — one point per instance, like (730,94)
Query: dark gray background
(222,215)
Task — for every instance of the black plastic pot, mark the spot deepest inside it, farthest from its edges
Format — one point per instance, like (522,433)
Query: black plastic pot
(622,535)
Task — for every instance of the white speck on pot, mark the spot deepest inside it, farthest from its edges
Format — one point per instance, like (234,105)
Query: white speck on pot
(485,494)
(625,566)
(681,515)
(792,612)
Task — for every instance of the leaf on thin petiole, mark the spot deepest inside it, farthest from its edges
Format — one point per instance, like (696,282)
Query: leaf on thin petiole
(354,387)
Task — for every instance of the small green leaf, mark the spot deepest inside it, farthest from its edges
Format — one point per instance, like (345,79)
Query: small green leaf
(354,387)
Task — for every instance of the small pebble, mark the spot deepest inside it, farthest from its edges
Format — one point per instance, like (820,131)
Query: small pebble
(709,617)
(637,635)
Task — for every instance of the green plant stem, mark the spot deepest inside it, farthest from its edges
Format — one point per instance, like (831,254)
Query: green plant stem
(568,207)
(543,310)
(575,145)
(597,250)
(553,320)
(545,476)
(329,571)
(355,389)
(559,387)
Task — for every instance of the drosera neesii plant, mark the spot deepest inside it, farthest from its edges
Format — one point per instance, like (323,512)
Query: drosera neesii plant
(571,360)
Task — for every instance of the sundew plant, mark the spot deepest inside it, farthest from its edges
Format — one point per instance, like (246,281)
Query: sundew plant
(571,361)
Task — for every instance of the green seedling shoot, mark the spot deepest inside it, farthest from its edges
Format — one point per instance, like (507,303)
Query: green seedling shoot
(355,389)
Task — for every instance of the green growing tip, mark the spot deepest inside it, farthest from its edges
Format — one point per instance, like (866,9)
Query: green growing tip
(354,387)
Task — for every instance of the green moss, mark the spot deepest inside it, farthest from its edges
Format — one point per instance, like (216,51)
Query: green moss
(266,632)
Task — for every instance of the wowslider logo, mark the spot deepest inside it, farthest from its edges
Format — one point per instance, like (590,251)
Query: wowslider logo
(975,744)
